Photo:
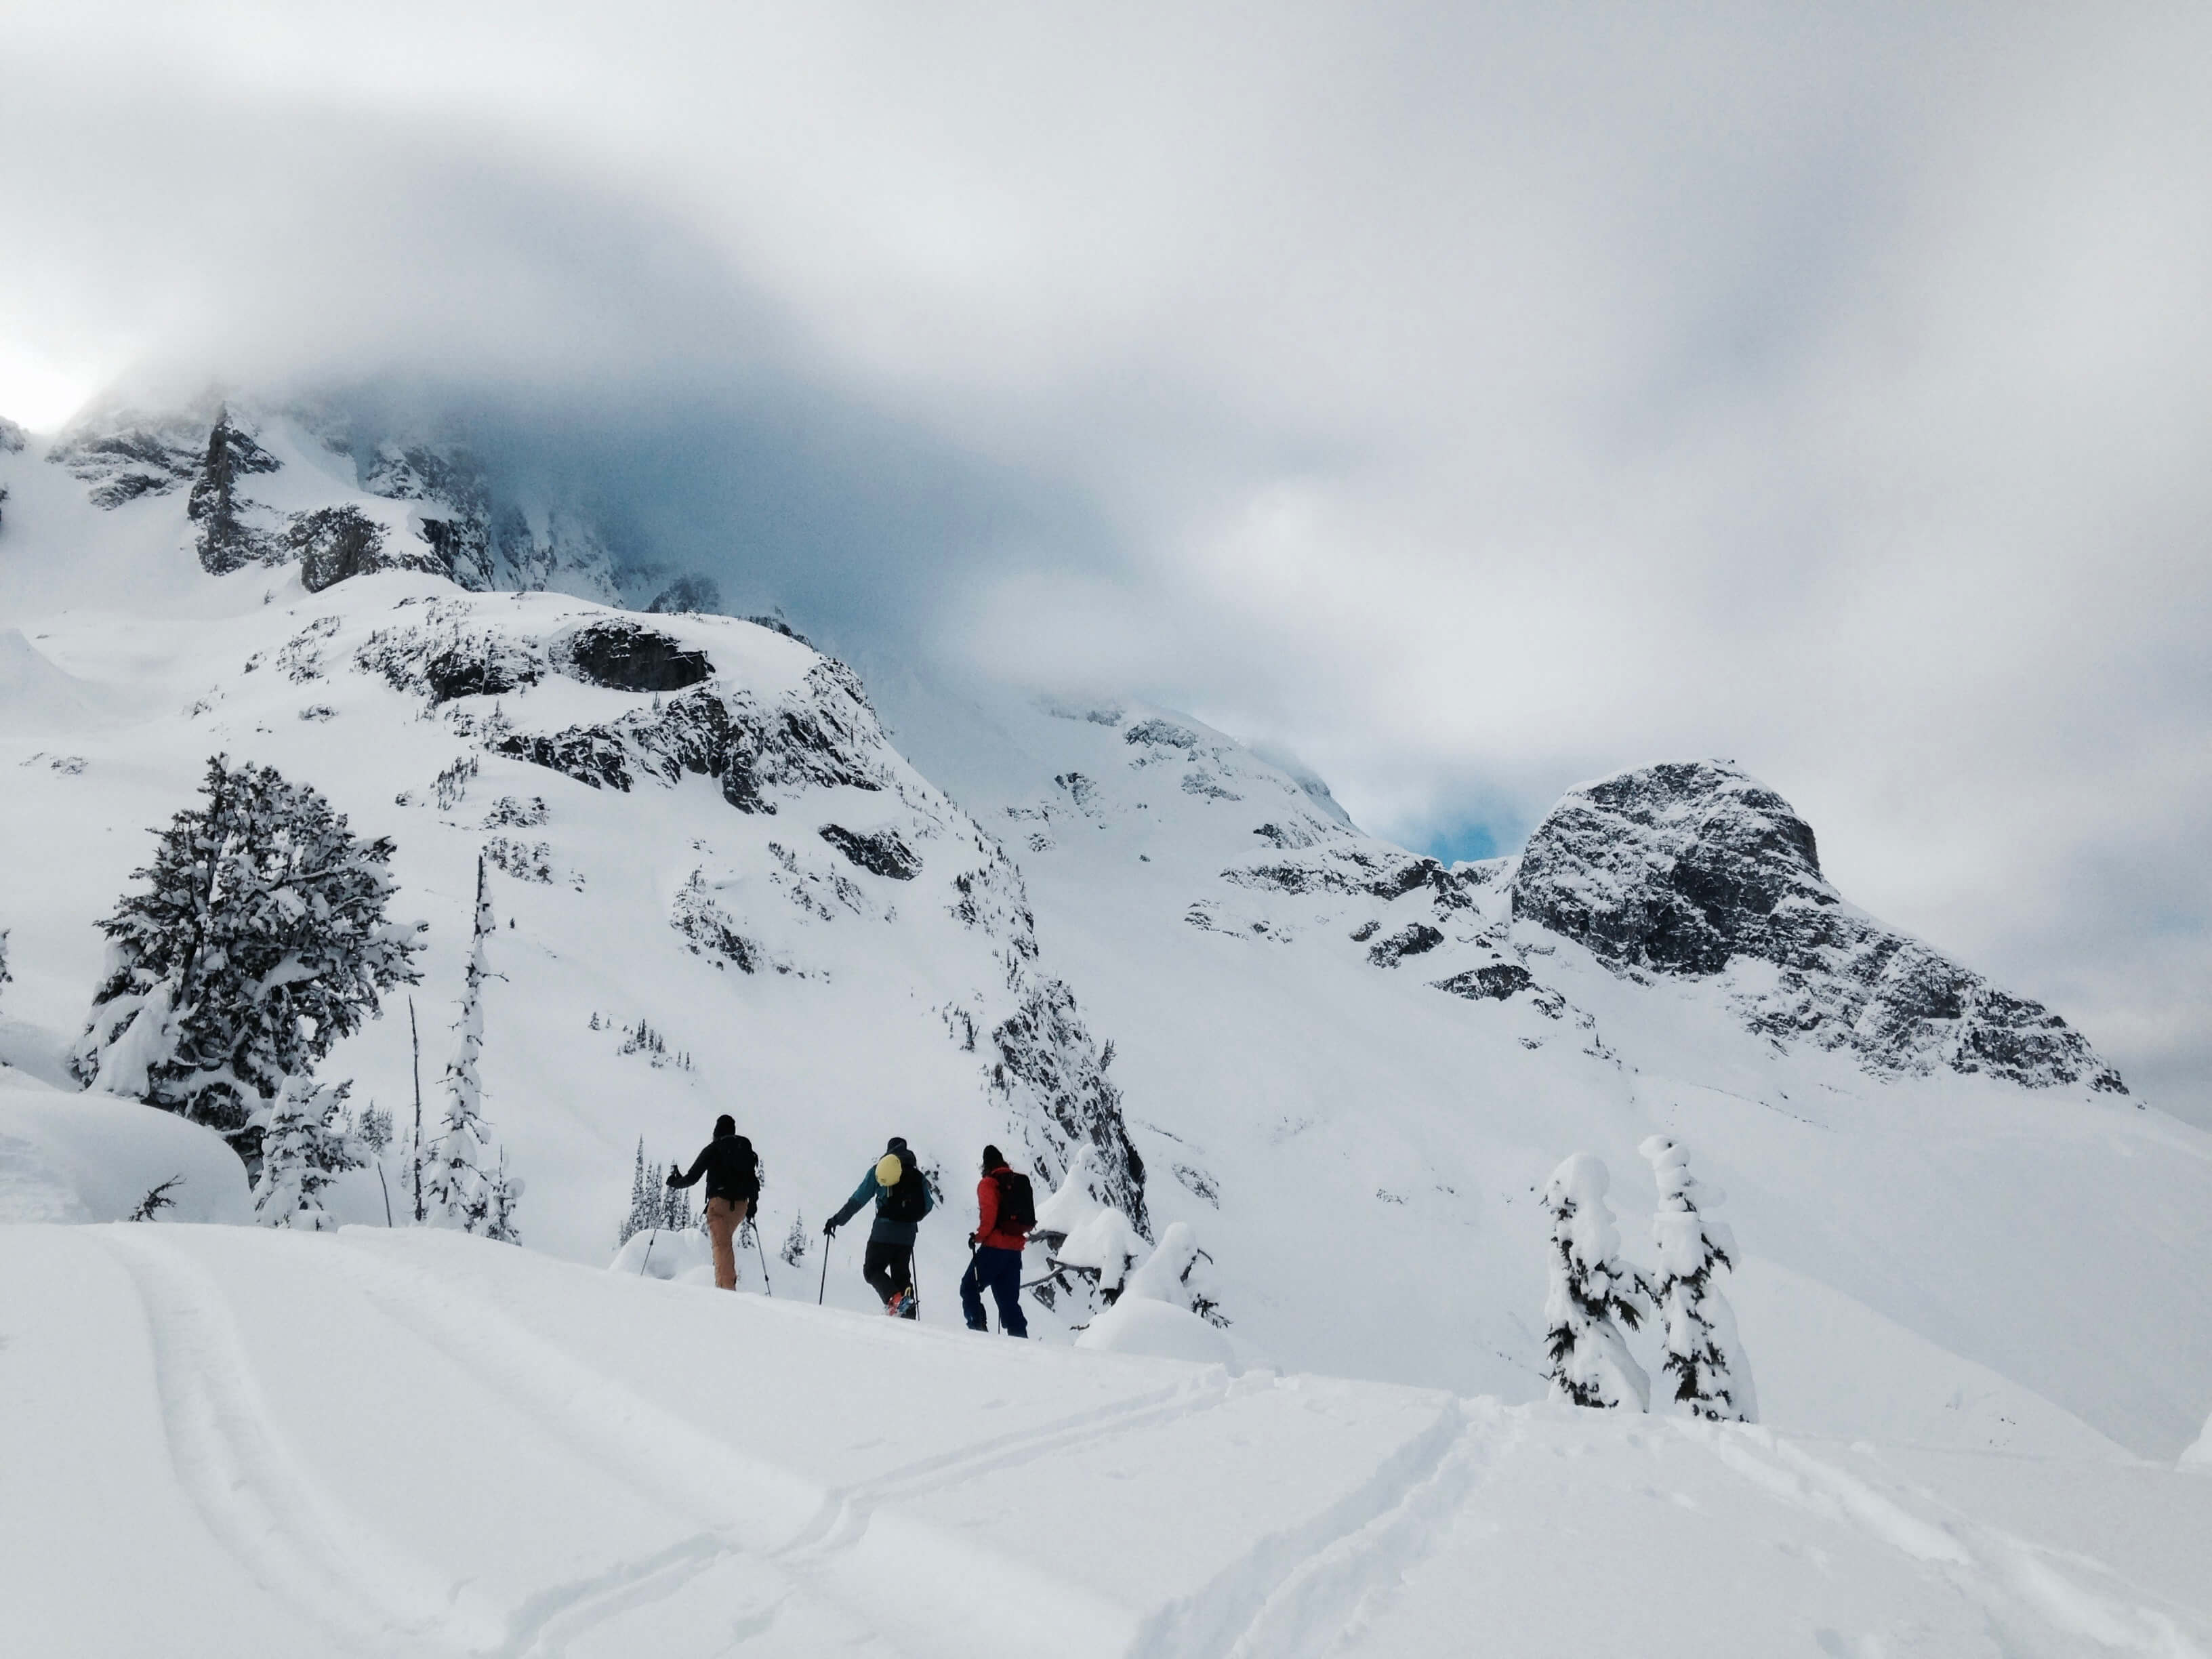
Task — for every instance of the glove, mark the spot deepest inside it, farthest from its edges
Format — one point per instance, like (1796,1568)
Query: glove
(829,1230)
(674,1174)
(971,1240)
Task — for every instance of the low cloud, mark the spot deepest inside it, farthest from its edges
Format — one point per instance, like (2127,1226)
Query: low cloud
(1471,403)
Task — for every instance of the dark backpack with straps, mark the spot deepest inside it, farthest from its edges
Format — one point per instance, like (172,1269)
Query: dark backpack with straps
(909,1199)
(1016,1202)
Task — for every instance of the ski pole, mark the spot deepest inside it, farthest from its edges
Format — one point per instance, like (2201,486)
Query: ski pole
(823,1290)
(649,1244)
(762,1251)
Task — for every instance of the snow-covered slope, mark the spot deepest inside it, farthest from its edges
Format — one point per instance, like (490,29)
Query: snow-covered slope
(1346,1068)
(230,1442)
(1358,1068)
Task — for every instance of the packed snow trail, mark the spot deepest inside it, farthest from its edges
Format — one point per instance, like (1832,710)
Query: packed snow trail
(226,1441)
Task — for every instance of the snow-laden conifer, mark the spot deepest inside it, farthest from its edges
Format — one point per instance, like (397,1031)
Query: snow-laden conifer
(1591,1289)
(259,940)
(1175,1274)
(1711,1377)
(465,1183)
(304,1147)
(645,1199)
(4,975)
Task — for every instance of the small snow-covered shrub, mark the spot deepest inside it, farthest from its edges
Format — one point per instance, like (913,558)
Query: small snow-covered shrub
(1591,1288)
(304,1147)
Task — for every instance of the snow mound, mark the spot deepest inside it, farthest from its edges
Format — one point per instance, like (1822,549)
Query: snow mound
(91,1158)
(663,1252)
(1138,1324)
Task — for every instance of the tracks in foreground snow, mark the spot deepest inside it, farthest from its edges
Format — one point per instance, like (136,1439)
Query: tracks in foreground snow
(677,1538)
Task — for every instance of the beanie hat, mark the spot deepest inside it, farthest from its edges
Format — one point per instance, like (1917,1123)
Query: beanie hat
(725,1124)
(896,1144)
(993,1158)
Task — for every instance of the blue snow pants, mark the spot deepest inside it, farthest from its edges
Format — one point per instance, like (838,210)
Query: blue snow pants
(1001,1270)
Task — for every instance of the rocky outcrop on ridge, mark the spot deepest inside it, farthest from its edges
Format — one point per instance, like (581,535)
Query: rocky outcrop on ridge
(1695,869)
(460,522)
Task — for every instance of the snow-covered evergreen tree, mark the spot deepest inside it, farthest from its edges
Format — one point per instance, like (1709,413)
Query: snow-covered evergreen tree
(260,940)
(1590,1289)
(795,1241)
(676,1210)
(304,1147)
(4,974)
(1175,1274)
(465,1183)
(645,1199)
(1711,1377)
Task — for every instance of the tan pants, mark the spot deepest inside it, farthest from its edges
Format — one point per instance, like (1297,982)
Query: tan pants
(724,1217)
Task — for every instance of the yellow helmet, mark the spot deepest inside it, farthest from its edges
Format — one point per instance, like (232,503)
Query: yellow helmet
(889,1170)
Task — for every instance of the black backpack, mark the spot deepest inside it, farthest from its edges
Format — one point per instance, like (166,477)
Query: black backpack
(747,1163)
(1016,1202)
(909,1199)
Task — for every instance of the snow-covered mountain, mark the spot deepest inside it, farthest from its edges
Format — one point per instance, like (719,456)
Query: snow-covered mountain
(1101,928)
(319,485)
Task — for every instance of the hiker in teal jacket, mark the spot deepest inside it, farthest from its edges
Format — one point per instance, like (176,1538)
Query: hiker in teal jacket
(901,1197)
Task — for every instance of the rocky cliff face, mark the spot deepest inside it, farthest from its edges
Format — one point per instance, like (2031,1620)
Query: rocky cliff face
(460,522)
(1694,868)
(781,748)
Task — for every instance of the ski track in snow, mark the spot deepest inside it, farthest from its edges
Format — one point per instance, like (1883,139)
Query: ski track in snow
(674,1465)
(1285,1588)
(758,1559)
(1321,1604)
(2007,1576)
(257,1496)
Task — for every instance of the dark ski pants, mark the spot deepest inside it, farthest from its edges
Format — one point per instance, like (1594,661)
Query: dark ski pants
(887,1267)
(1002,1271)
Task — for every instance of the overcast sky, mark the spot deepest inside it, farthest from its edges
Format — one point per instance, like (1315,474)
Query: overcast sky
(1473,399)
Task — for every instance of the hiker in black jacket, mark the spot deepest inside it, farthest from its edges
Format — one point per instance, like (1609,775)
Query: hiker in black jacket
(901,1197)
(732,1174)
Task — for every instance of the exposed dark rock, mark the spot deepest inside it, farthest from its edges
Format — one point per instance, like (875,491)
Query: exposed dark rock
(688,594)
(624,657)
(826,735)
(1207,787)
(227,540)
(1415,938)
(1046,1067)
(883,852)
(457,519)
(334,543)
(1686,867)
(1500,980)
(133,460)
(777,625)
(446,663)
(1158,733)
(709,931)
(1381,872)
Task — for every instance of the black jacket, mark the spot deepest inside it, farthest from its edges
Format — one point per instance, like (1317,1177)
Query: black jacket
(732,1170)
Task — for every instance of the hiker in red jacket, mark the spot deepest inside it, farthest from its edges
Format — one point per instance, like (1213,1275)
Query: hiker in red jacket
(1005,1211)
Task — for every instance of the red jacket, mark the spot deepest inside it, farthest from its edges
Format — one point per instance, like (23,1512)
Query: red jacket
(986,1212)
